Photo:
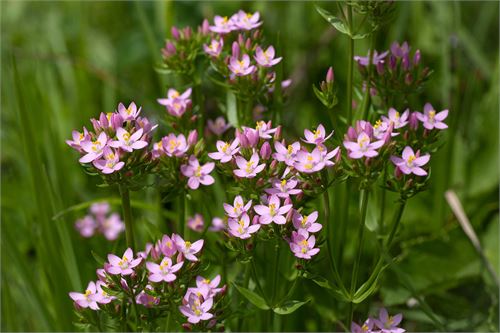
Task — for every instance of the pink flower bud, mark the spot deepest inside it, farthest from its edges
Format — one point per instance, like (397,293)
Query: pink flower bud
(256,34)
(116,121)
(212,323)
(408,78)
(252,136)
(265,151)
(416,58)
(300,196)
(330,75)
(169,49)
(289,215)
(380,67)
(101,274)
(406,62)
(413,121)
(192,137)
(274,164)
(255,219)
(398,174)
(187,327)
(103,120)
(175,33)
(96,125)
(351,134)
(187,32)
(392,62)
(235,50)
(277,134)
(388,134)
(241,40)
(205,27)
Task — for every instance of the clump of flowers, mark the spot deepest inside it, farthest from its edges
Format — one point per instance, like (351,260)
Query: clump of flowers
(156,278)
(100,219)
(383,324)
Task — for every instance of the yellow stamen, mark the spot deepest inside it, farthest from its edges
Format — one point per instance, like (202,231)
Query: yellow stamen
(188,244)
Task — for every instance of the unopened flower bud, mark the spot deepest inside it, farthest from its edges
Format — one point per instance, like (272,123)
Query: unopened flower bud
(277,134)
(265,151)
(205,27)
(192,137)
(408,78)
(103,120)
(235,50)
(380,67)
(413,122)
(398,173)
(116,121)
(187,32)
(249,246)
(241,40)
(193,118)
(255,219)
(256,34)
(175,33)
(187,326)
(169,49)
(273,165)
(392,62)
(260,182)
(351,134)
(300,196)
(289,215)
(330,75)
(416,58)
(388,134)
(406,62)
(211,323)
(248,44)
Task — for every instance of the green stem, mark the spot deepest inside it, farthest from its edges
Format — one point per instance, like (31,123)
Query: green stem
(182,216)
(343,223)
(350,66)
(276,271)
(357,259)
(395,222)
(256,278)
(169,320)
(127,216)
(382,204)
(366,99)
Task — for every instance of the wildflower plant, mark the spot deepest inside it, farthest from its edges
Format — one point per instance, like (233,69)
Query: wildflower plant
(276,187)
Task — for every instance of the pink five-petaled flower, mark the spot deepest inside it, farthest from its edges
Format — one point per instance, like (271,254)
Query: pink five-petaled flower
(241,227)
(367,327)
(127,141)
(266,58)
(87,300)
(175,102)
(388,324)
(164,271)
(286,154)
(78,138)
(264,129)
(211,285)
(218,126)
(225,150)
(112,226)
(102,296)
(306,222)
(399,120)
(273,212)
(284,188)
(123,265)
(214,48)
(197,174)
(302,245)
(195,310)
(411,162)
(196,223)
(110,163)
(94,149)
(174,145)
(250,168)
(186,248)
(431,119)
(309,162)
(241,67)
(363,146)
(86,226)
(129,113)
(238,208)
(246,21)
(223,25)
(317,136)
(167,246)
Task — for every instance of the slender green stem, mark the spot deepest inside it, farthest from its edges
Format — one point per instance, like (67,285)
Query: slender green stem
(127,216)
(382,203)
(395,222)
(169,320)
(343,222)
(257,282)
(276,271)
(357,259)
(350,66)
(366,99)
(182,216)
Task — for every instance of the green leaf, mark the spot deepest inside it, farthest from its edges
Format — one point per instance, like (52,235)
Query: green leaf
(289,307)
(252,297)
(231,109)
(98,258)
(335,21)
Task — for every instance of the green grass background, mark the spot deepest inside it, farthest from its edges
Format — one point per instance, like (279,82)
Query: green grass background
(64,62)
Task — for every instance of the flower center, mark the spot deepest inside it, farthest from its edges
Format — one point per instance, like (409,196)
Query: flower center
(249,167)
(198,172)
(378,123)
(188,244)
(304,221)
(410,160)
(87,293)
(225,147)
(272,209)
(126,137)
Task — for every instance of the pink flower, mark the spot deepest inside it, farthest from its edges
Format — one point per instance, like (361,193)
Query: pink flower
(363,146)
(123,265)
(217,225)
(78,138)
(88,299)
(147,300)
(225,151)
(112,226)
(94,149)
(219,126)
(309,162)
(196,309)
(129,113)
(265,129)
(196,223)
(211,285)
(286,154)
(86,226)
(266,58)
(317,136)
(246,21)
(250,168)
(177,104)
(397,119)
(167,246)
(164,271)
(197,174)
(273,212)
(241,227)
(388,324)
(187,248)
(174,145)
(367,327)
(302,245)
(102,296)
(214,48)
(110,163)
(238,208)
(127,141)
(306,222)
(241,67)
(431,119)
(249,138)
(284,188)
(222,25)
(100,209)
(411,162)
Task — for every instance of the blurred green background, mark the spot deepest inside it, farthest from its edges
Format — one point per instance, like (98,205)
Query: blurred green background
(65,62)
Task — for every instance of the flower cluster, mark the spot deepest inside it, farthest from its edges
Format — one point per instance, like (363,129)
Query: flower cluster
(99,220)
(115,141)
(396,71)
(383,324)
(155,277)
(176,103)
